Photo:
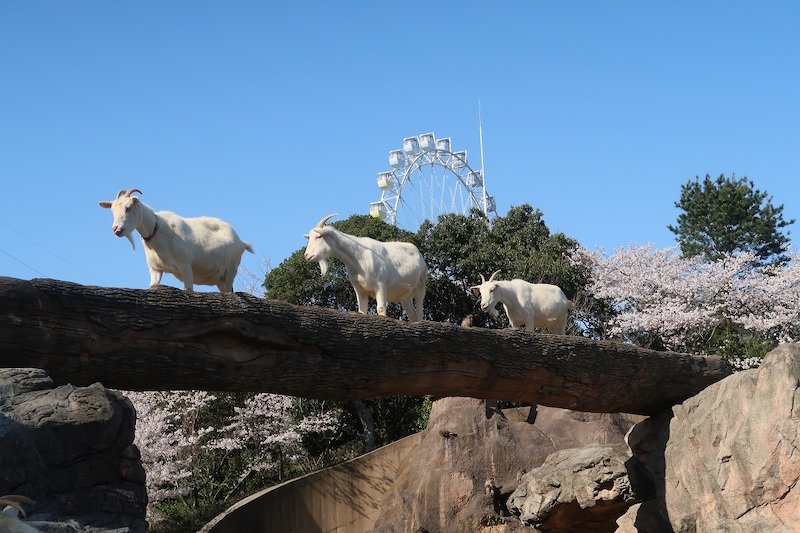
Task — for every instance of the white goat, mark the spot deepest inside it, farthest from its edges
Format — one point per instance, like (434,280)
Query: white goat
(388,271)
(531,305)
(201,250)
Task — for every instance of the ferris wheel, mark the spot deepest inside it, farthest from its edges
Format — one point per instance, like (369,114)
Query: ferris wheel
(429,179)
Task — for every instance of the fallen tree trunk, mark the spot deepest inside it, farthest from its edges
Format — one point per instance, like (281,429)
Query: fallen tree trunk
(166,338)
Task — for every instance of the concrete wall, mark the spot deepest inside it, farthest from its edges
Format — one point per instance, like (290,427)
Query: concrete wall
(341,499)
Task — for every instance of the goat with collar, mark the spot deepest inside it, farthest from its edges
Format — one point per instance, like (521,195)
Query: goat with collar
(199,250)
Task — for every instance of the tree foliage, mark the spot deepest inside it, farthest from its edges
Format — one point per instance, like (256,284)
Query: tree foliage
(459,248)
(730,307)
(727,216)
(203,451)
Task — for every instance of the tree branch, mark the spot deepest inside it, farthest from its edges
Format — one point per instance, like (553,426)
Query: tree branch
(166,338)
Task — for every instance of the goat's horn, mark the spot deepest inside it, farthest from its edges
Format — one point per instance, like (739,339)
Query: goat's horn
(19,498)
(121,193)
(483,280)
(131,191)
(496,272)
(325,219)
(16,501)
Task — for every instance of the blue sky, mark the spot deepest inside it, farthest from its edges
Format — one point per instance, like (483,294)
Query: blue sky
(271,115)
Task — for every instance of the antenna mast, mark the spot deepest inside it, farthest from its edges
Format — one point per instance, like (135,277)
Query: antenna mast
(484,199)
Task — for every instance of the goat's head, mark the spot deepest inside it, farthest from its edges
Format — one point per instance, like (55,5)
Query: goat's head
(127,214)
(487,290)
(318,248)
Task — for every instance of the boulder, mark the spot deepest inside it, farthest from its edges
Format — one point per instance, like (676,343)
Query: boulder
(472,457)
(727,459)
(732,460)
(70,449)
(643,517)
(577,490)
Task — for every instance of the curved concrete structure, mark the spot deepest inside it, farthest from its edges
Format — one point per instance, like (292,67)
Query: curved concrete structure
(339,499)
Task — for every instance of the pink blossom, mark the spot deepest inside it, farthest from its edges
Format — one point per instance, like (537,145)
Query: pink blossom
(659,292)
(173,443)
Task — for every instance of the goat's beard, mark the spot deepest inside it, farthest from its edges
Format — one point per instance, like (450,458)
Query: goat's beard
(323,266)
(131,239)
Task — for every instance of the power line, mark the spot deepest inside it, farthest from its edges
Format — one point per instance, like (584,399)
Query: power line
(57,256)
(23,263)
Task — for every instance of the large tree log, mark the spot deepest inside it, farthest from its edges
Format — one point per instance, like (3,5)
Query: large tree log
(166,338)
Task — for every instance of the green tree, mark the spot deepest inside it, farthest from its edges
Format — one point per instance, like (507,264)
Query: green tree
(726,216)
(459,248)
(454,250)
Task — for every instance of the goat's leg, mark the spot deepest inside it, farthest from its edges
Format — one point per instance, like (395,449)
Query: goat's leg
(226,285)
(419,298)
(380,297)
(362,297)
(155,277)
(411,311)
(559,326)
(188,278)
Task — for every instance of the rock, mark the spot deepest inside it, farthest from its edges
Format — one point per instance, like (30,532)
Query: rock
(647,441)
(472,457)
(732,461)
(643,517)
(70,449)
(577,490)
(726,459)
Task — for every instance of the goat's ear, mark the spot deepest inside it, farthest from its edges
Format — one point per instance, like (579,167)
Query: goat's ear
(475,288)
(135,199)
(105,204)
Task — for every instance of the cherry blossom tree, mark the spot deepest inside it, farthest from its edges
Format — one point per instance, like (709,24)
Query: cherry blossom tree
(198,447)
(664,300)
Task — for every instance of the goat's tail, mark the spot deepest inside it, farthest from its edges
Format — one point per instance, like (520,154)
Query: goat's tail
(248,247)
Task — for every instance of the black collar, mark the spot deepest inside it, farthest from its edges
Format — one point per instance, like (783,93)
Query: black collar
(155,228)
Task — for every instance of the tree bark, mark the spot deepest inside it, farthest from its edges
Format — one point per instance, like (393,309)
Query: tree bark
(166,338)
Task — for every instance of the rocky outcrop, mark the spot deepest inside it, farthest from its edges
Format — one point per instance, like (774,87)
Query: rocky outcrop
(647,441)
(724,460)
(727,459)
(643,517)
(473,456)
(578,490)
(733,453)
(70,449)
